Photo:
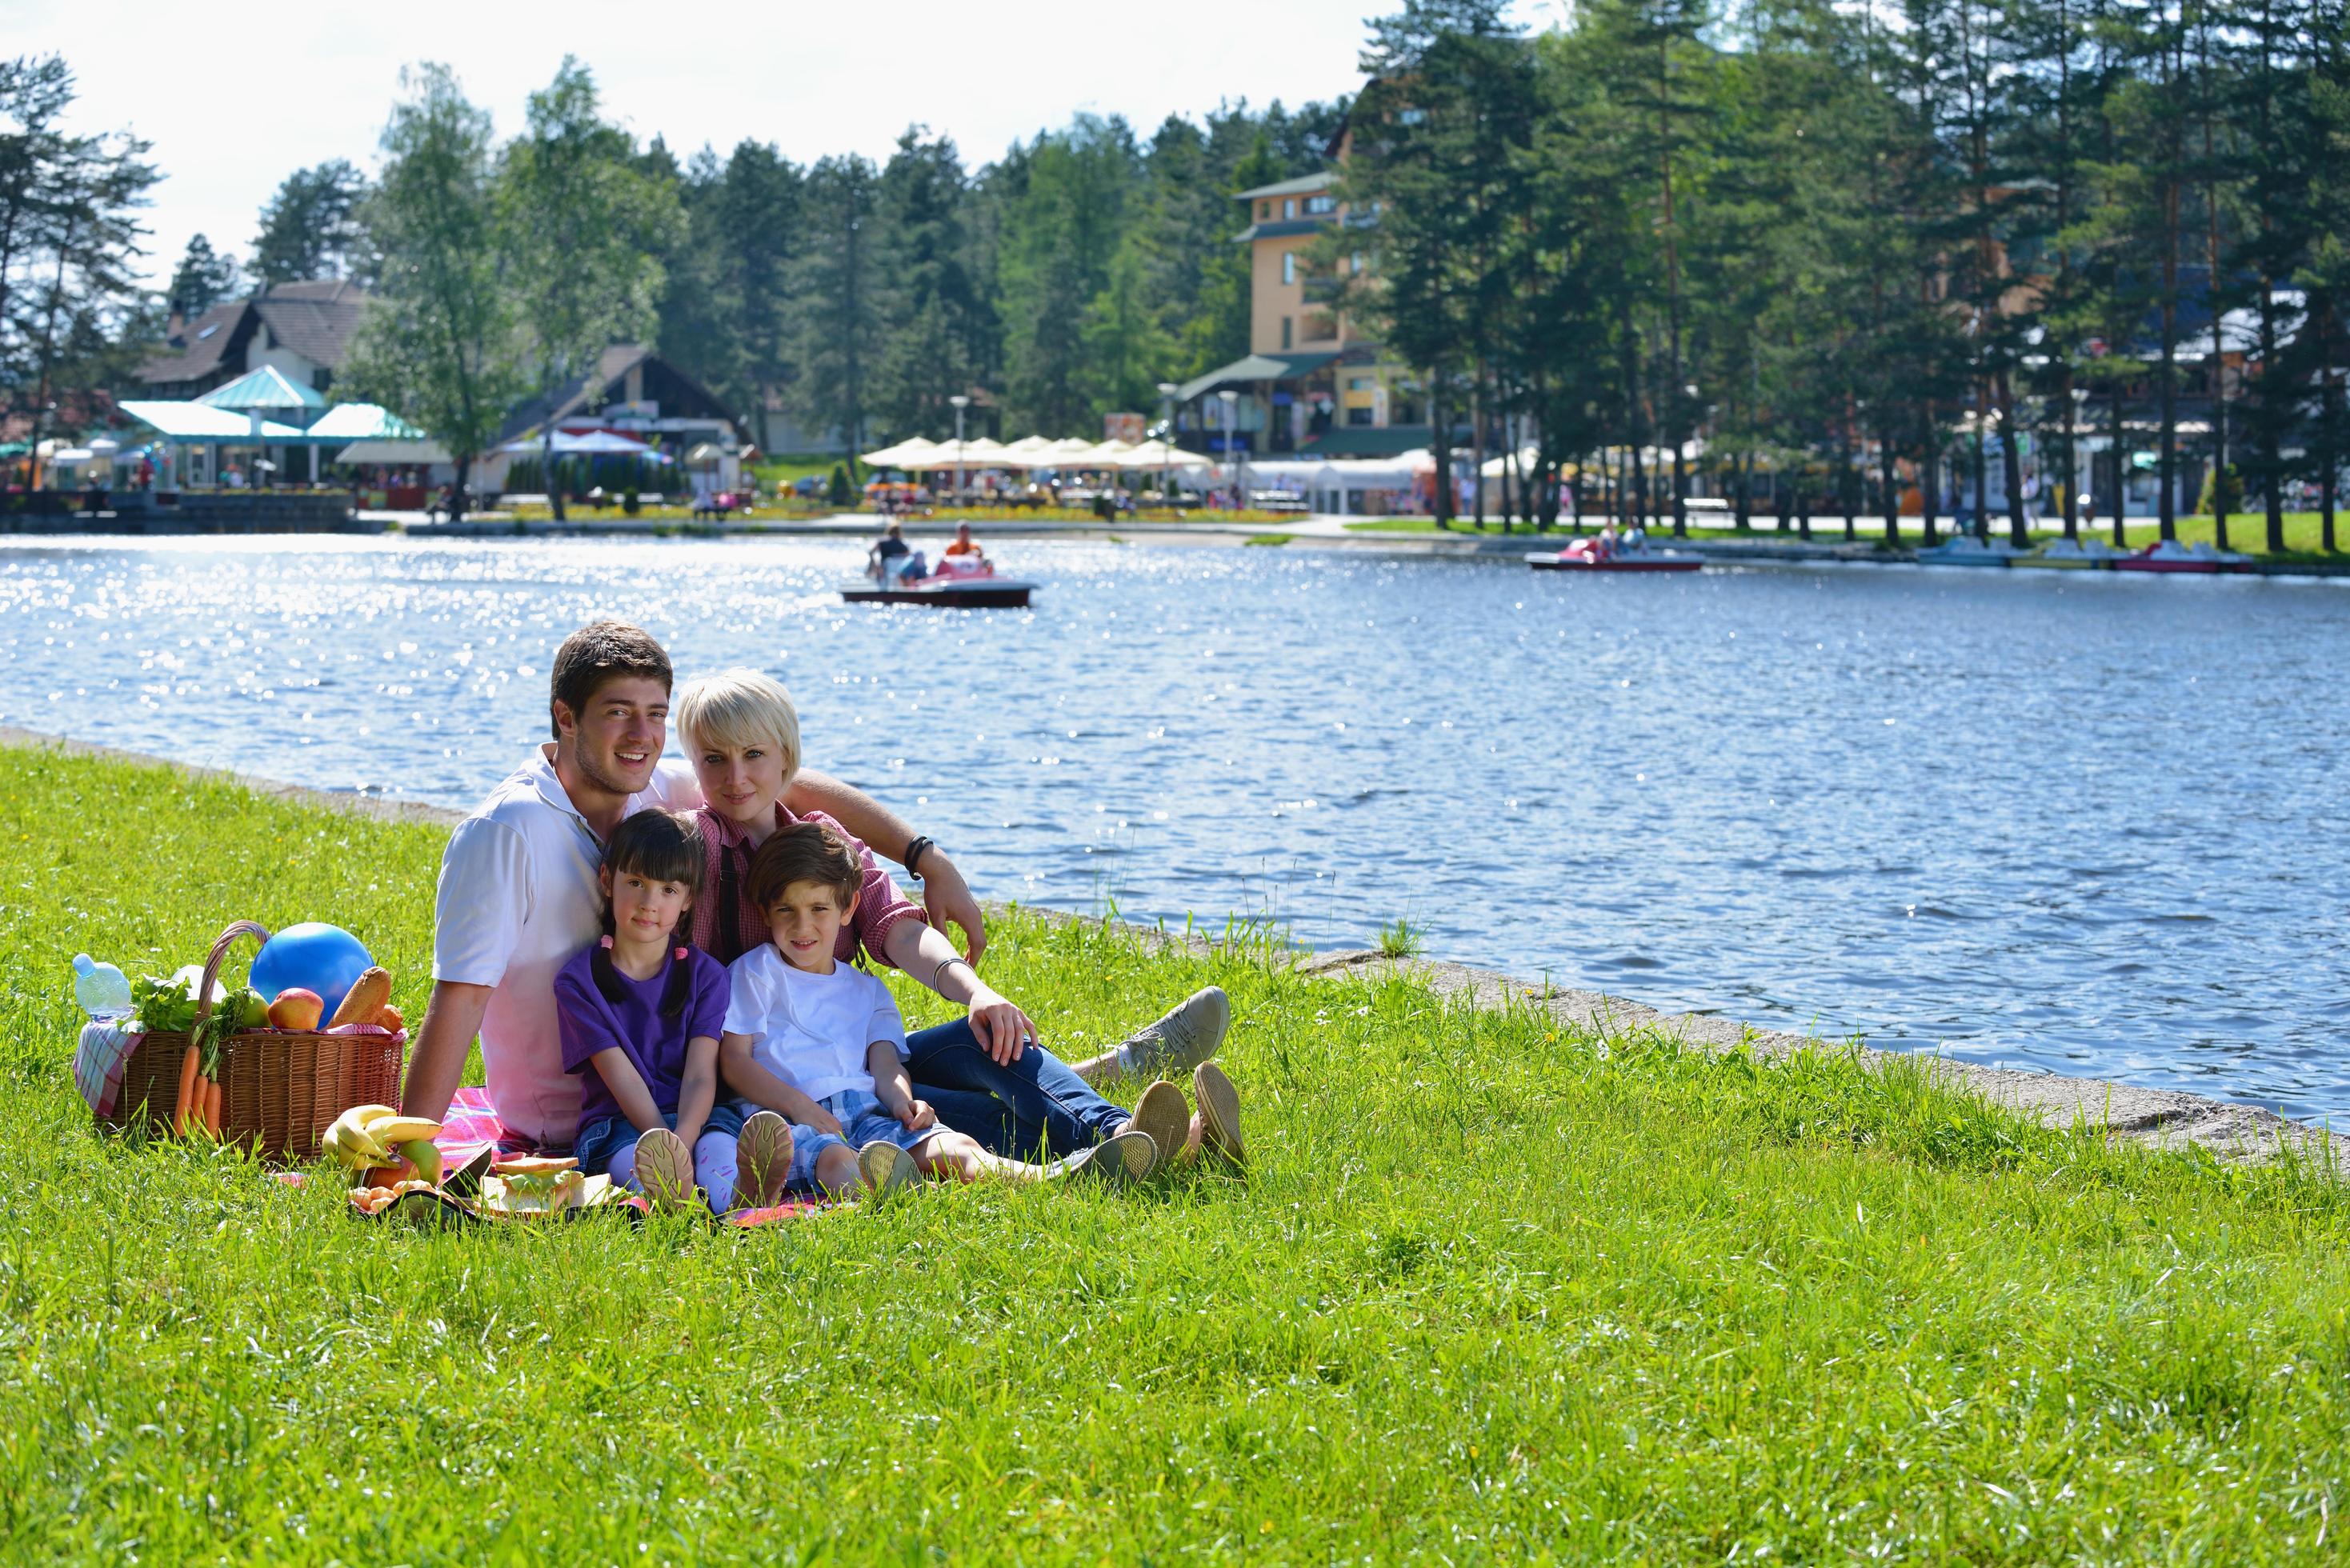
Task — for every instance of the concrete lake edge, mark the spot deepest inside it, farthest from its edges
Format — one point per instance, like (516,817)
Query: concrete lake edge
(2160,1118)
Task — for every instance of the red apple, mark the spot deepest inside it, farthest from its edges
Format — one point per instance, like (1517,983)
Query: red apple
(296,1009)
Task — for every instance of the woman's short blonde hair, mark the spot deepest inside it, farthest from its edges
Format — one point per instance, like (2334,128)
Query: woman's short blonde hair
(737,709)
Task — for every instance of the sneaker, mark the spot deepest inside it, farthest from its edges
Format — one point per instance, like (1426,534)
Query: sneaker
(888,1168)
(665,1171)
(763,1159)
(1220,1112)
(1123,1157)
(1162,1115)
(1181,1040)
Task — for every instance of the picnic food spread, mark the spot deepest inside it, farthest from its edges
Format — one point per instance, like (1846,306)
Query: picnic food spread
(264,1064)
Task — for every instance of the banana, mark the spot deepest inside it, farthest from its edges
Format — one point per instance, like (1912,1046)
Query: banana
(391,1130)
(368,1115)
(352,1142)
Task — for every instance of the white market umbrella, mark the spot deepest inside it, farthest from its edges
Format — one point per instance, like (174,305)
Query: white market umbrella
(591,443)
(1157,454)
(1028,451)
(1107,454)
(907,454)
(1069,453)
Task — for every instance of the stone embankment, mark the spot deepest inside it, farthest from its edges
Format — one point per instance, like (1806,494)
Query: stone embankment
(2155,1118)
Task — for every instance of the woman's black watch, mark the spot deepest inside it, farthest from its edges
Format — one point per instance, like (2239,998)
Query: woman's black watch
(914,853)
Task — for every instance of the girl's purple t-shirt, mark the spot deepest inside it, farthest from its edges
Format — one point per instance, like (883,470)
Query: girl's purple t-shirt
(654,1045)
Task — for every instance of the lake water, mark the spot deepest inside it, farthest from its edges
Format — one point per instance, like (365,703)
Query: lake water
(2081,822)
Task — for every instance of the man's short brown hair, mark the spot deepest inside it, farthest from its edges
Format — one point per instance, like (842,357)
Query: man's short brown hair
(596,653)
(804,852)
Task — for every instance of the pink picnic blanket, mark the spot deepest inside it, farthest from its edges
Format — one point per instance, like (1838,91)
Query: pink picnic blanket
(473,1124)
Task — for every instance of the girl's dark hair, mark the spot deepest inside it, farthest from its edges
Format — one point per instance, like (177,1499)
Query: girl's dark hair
(804,852)
(661,847)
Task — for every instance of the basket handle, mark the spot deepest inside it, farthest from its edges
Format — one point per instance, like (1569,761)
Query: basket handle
(218,956)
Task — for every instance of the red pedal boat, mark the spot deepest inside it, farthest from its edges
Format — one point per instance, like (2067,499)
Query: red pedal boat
(1599,555)
(959,583)
(2170,555)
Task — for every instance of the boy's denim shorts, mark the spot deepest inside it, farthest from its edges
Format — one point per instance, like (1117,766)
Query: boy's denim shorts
(862,1121)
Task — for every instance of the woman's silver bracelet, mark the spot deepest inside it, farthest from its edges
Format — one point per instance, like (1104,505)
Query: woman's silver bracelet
(938,974)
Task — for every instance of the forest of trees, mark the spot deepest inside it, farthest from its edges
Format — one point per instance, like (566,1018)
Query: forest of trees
(1813,234)
(1820,254)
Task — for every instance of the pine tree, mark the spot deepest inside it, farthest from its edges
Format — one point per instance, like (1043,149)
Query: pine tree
(836,297)
(311,229)
(932,323)
(203,278)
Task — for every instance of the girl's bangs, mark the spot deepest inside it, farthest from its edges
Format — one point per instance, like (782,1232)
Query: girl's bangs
(658,847)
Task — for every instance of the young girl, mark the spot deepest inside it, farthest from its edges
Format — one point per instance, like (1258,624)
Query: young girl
(640,1013)
(823,1043)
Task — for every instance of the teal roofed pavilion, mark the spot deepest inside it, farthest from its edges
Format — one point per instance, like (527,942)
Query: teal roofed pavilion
(360,422)
(267,388)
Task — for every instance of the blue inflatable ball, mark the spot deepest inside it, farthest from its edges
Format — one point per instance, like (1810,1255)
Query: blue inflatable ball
(312,956)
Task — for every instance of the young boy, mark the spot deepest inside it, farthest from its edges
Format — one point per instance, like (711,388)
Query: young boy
(822,1045)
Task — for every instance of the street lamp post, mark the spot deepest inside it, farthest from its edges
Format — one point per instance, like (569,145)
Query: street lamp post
(961,403)
(1166,390)
(1231,399)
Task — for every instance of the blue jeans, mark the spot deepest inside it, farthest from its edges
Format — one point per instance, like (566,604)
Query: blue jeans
(607,1146)
(1035,1101)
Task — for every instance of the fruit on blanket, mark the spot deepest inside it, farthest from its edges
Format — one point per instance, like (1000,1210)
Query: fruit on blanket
(366,997)
(385,1175)
(425,1155)
(296,1009)
(391,1131)
(312,956)
(349,1141)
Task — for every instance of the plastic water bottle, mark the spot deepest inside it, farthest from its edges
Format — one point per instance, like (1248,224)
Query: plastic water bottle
(100,988)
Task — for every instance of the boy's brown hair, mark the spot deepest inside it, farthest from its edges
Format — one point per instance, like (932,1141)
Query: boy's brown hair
(598,652)
(804,852)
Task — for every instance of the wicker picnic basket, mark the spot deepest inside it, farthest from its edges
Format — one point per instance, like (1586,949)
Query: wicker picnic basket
(280,1089)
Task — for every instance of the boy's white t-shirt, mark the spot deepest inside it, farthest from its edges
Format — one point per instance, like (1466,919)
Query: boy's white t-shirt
(811,1030)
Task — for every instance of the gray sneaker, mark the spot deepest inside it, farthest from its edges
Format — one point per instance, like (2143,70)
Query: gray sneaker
(1180,1041)
(1117,1160)
(888,1170)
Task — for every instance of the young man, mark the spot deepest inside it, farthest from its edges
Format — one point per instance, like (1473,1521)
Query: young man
(518,894)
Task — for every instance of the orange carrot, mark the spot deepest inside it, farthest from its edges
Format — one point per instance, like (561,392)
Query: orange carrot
(212,1106)
(187,1091)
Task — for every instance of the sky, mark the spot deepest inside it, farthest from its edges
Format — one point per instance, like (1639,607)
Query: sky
(235,101)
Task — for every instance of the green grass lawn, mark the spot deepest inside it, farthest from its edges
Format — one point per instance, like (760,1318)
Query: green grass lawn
(1493,1292)
(787,468)
(2246,533)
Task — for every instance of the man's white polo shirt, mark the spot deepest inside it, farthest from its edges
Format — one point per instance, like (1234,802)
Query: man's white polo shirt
(518,896)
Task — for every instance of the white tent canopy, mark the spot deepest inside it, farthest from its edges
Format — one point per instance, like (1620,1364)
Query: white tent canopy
(592,443)
(1157,454)
(907,454)
(1028,451)
(363,421)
